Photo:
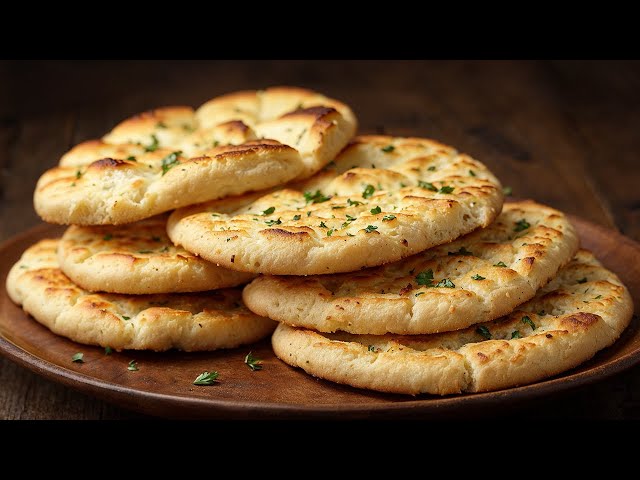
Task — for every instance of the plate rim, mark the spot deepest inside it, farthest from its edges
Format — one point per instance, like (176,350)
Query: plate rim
(197,407)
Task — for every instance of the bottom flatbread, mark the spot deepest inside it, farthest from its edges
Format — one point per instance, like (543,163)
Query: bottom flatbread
(190,322)
(583,310)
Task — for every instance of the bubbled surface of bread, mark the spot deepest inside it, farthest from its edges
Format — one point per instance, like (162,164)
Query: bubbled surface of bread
(490,272)
(581,311)
(190,322)
(174,156)
(137,258)
(382,199)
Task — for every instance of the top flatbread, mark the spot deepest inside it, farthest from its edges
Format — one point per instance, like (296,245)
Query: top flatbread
(137,258)
(477,278)
(381,200)
(583,310)
(172,157)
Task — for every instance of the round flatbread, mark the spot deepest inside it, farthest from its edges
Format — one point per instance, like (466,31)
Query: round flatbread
(171,157)
(138,258)
(583,310)
(381,200)
(477,278)
(190,322)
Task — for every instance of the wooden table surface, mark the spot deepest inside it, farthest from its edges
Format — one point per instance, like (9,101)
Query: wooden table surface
(564,133)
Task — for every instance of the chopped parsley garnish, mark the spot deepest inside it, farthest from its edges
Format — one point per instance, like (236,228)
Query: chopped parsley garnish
(268,211)
(583,280)
(350,235)
(388,218)
(206,378)
(516,334)
(252,362)
(596,298)
(107,237)
(446,189)
(271,223)
(133,366)
(131,158)
(368,191)
(145,251)
(419,293)
(371,348)
(308,214)
(315,197)
(124,317)
(432,168)
(427,186)
(323,225)
(170,161)
(472,173)
(462,251)
(521,225)
(388,149)
(376,210)
(528,321)
(329,232)
(108,350)
(445,283)
(78,173)
(78,357)
(350,218)
(500,264)
(370,228)
(338,207)
(425,278)
(296,217)
(484,331)
(508,191)
(153,146)
(477,277)
(353,203)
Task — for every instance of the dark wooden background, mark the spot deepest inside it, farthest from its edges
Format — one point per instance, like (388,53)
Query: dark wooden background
(564,133)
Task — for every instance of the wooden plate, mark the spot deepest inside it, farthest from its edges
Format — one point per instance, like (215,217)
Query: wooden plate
(163,384)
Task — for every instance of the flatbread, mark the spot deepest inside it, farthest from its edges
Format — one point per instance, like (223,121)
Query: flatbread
(477,278)
(190,322)
(138,258)
(583,310)
(381,200)
(172,157)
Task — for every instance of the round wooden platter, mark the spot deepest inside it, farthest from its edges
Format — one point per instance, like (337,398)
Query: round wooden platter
(163,385)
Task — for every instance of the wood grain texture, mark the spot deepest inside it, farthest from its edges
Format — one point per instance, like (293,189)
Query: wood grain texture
(563,133)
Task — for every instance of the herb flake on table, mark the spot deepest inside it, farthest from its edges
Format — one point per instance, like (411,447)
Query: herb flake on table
(252,362)
(206,378)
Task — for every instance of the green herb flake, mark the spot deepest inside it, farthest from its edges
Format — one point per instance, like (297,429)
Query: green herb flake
(338,207)
(583,280)
(133,366)
(296,218)
(252,362)
(329,232)
(472,173)
(445,283)
(516,334)
(370,228)
(78,357)
(484,331)
(508,191)
(131,158)
(170,161)
(315,197)
(388,218)
(153,146)
(323,225)
(78,173)
(446,189)
(368,191)
(500,264)
(427,186)
(108,350)
(206,378)
(376,210)
(268,211)
(526,320)
(432,168)
(477,277)
(419,293)
(371,348)
(425,278)
(521,225)
(596,298)
(271,223)
(145,251)
(124,317)
(107,237)
(353,203)
(308,214)
(388,149)
(350,235)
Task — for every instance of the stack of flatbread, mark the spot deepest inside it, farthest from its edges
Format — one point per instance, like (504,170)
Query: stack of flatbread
(387,263)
